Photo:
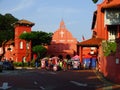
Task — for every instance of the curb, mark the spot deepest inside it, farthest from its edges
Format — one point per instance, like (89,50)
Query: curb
(26,68)
(108,85)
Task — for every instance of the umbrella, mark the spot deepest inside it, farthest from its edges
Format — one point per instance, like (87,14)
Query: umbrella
(75,57)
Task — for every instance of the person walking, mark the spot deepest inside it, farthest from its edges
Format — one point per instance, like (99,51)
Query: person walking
(64,64)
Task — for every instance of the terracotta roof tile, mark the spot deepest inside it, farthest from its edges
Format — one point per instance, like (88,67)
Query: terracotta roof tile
(25,22)
(9,42)
(91,42)
(112,4)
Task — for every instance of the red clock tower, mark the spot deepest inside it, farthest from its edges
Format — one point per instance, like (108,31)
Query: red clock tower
(22,48)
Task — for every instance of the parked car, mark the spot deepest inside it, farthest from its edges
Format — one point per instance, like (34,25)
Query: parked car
(7,65)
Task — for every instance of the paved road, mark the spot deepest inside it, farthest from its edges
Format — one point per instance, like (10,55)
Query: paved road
(37,79)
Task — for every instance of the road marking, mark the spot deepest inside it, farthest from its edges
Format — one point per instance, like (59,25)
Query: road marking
(48,73)
(35,82)
(42,88)
(107,88)
(78,84)
(52,73)
(5,86)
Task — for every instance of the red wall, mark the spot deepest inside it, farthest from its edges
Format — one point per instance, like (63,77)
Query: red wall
(20,53)
(110,69)
(100,28)
(63,43)
(107,65)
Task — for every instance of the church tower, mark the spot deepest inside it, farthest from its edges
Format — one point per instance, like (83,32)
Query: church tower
(63,43)
(21,47)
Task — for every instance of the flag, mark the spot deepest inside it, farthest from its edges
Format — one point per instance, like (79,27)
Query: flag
(83,38)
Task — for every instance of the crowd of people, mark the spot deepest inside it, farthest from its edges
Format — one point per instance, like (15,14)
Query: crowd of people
(56,64)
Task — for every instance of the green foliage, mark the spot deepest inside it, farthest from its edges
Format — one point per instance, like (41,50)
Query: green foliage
(95,1)
(109,47)
(26,36)
(32,63)
(17,64)
(39,49)
(6,35)
(6,28)
(41,38)
(37,38)
(20,64)
(6,22)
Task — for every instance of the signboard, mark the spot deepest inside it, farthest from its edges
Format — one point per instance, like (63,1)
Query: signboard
(112,17)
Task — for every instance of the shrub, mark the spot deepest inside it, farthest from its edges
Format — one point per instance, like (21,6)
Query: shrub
(109,47)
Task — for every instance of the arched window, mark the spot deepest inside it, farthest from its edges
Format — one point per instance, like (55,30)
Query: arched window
(21,45)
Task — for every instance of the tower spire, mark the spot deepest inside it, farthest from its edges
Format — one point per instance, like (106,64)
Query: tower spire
(62,24)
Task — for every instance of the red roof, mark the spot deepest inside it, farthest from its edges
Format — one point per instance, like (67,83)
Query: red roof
(9,42)
(24,22)
(91,42)
(112,4)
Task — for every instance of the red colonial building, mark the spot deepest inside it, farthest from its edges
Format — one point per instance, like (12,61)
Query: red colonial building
(106,29)
(19,50)
(63,43)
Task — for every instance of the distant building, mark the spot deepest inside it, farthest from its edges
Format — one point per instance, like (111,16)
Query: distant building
(63,43)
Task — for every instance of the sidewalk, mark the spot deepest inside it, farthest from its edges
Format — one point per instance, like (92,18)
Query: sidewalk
(108,85)
(27,68)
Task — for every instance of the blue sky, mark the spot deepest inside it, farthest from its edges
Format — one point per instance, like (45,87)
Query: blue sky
(47,14)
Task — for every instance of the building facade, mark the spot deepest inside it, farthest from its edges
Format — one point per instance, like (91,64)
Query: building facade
(106,25)
(63,43)
(19,50)
(106,31)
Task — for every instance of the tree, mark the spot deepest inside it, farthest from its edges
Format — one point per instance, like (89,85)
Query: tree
(95,1)
(37,38)
(6,30)
(41,38)
(27,37)
(40,50)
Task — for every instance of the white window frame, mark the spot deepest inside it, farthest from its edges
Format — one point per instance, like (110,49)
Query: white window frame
(21,44)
